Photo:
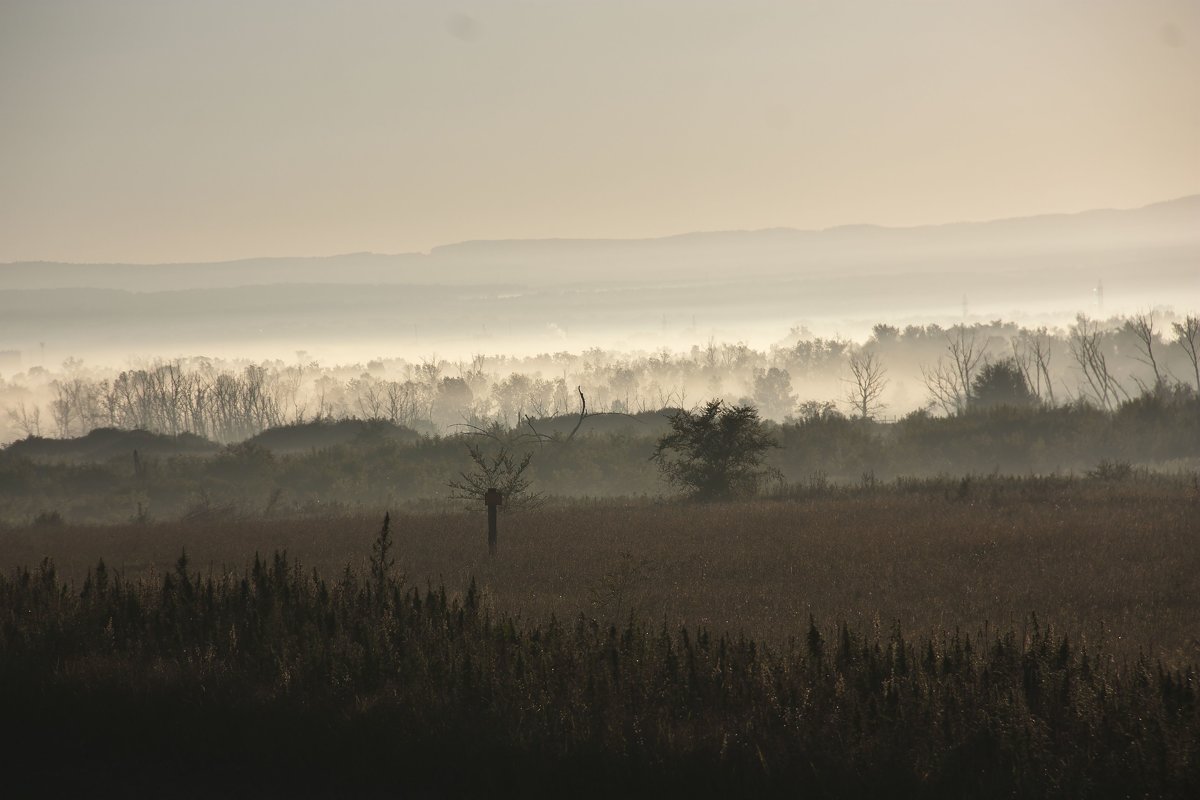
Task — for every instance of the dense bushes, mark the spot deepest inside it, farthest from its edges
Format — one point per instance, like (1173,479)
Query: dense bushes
(374,464)
(1006,439)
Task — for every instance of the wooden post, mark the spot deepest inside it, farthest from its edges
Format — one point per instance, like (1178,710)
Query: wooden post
(493,499)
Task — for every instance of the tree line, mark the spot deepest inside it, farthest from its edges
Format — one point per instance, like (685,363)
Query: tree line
(895,371)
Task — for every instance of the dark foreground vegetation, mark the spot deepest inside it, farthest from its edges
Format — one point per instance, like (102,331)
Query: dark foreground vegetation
(833,644)
(282,682)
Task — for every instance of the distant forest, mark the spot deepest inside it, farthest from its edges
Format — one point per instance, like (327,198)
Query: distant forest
(195,439)
(923,369)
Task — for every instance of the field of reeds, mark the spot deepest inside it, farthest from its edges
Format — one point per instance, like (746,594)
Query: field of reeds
(1113,558)
(984,637)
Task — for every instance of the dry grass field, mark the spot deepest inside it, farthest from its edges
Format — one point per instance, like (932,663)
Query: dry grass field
(984,637)
(1116,563)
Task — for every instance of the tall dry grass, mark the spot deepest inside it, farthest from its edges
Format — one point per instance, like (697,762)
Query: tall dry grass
(1117,562)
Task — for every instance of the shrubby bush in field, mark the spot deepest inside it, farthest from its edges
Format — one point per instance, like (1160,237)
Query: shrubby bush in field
(715,453)
(1001,383)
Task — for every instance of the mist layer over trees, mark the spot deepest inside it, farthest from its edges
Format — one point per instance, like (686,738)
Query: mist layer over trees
(944,371)
(228,440)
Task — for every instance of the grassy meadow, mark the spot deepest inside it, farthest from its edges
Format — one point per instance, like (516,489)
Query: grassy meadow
(974,637)
(1112,560)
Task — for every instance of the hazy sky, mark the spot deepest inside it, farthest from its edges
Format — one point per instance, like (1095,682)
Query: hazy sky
(165,130)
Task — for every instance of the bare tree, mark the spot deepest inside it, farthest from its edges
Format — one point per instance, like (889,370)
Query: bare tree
(500,471)
(942,384)
(866,384)
(474,373)
(28,420)
(949,381)
(61,411)
(1087,347)
(1032,351)
(77,406)
(401,402)
(369,395)
(1187,336)
(287,391)
(1142,328)
(966,353)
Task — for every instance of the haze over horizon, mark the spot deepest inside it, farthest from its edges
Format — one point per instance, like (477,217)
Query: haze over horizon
(142,132)
(501,240)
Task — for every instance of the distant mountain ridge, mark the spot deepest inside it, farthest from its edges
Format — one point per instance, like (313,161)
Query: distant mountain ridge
(855,249)
(1188,204)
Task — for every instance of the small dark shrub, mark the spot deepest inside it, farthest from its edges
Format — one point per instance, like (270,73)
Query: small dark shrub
(1111,470)
(48,519)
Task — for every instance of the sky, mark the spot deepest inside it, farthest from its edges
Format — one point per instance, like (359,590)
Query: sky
(177,130)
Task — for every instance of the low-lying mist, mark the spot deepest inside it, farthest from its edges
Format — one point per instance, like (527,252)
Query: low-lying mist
(917,367)
(525,298)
